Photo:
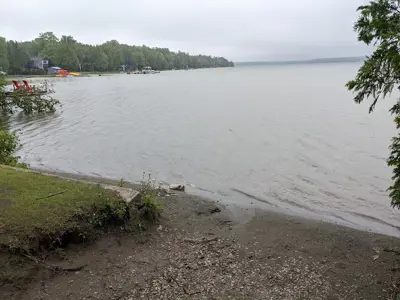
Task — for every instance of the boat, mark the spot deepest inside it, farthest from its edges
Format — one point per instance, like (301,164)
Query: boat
(149,70)
(75,74)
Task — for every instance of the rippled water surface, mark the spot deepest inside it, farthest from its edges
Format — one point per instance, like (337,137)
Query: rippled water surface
(280,137)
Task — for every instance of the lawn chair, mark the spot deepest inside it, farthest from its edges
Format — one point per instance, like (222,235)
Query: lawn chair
(27,86)
(16,86)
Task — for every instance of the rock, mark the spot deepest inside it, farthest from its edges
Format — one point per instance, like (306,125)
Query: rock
(128,195)
(177,187)
(215,210)
(132,197)
(162,191)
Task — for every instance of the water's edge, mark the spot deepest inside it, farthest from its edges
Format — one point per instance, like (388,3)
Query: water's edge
(241,211)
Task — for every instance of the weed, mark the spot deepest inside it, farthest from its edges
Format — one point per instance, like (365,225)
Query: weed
(121,182)
(152,206)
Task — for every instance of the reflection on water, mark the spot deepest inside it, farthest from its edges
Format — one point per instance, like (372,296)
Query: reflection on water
(286,138)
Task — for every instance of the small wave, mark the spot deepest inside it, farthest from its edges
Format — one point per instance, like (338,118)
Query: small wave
(343,219)
(306,180)
(330,194)
(377,157)
(374,219)
(290,202)
(204,190)
(252,196)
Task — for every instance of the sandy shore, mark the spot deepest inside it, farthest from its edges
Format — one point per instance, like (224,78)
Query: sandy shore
(201,251)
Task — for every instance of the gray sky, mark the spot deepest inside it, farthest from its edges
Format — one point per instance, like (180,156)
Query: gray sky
(241,30)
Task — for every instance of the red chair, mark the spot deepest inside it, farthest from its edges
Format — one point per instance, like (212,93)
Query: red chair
(16,85)
(27,86)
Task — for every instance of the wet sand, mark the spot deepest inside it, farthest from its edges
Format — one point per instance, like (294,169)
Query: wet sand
(199,250)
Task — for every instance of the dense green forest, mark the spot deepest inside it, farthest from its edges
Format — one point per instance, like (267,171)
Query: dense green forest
(66,52)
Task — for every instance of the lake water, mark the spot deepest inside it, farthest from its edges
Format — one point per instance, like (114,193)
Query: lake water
(287,138)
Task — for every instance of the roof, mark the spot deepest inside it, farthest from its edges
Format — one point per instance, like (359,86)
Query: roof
(57,68)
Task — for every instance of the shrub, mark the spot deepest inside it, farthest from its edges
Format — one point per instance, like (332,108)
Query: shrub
(8,146)
(108,211)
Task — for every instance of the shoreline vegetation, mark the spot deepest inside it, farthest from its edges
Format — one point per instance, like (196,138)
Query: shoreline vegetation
(34,57)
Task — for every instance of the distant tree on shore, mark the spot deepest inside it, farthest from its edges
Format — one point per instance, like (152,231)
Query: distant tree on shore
(3,55)
(379,25)
(67,53)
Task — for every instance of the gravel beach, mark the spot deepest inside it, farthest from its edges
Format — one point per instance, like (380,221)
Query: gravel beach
(200,251)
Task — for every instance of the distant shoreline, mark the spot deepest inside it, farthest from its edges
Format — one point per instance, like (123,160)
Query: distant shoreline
(309,61)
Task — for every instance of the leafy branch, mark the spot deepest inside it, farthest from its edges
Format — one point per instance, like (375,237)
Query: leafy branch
(379,25)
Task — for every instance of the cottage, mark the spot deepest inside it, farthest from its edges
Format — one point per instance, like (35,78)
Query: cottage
(40,63)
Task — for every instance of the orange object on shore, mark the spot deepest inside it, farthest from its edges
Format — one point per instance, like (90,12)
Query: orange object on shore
(63,72)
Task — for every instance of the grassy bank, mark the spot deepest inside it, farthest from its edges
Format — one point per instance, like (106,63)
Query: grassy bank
(10,78)
(41,214)
(38,212)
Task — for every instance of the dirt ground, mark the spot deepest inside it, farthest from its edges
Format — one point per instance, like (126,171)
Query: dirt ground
(198,251)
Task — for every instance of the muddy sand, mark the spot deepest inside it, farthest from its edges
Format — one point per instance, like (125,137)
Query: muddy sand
(199,251)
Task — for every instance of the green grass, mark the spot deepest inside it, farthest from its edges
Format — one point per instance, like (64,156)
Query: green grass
(102,73)
(10,78)
(31,209)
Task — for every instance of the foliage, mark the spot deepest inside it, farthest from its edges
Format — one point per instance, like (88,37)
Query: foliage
(67,53)
(121,182)
(28,102)
(17,56)
(4,64)
(8,146)
(148,190)
(379,25)
(110,211)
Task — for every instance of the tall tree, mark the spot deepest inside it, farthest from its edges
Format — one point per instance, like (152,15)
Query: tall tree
(99,60)
(379,25)
(66,57)
(45,40)
(3,55)
(17,56)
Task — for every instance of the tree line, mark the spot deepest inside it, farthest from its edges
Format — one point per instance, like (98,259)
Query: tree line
(66,52)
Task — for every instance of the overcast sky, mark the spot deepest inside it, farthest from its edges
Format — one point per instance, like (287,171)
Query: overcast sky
(241,30)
